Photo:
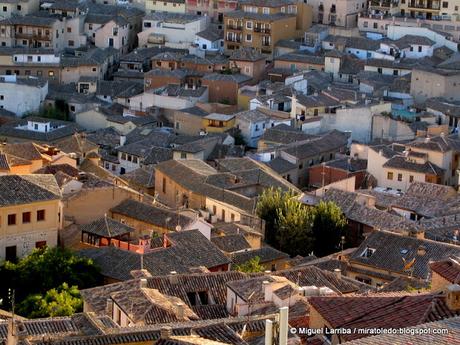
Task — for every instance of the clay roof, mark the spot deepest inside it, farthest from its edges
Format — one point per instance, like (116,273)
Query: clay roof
(380,312)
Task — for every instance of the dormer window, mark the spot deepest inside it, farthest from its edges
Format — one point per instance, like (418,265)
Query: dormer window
(368,252)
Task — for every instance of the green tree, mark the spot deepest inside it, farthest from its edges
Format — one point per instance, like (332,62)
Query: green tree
(60,111)
(294,228)
(251,266)
(45,269)
(62,301)
(272,200)
(328,227)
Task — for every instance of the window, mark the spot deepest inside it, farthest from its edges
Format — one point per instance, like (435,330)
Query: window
(445,4)
(94,69)
(379,70)
(232,217)
(163,187)
(5,9)
(214,209)
(376,26)
(249,25)
(389,175)
(11,219)
(364,280)
(399,177)
(411,178)
(368,252)
(248,38)
(2,97)
(50,73)
(40,215)
(90,26)
(300,166)
(10,253)
(223,214)
(40,244)
(29,58)
(366,24)
(266,10)
(69,29)
(395,72)
(183,155)
(26,217)
(19,7)
(71,43)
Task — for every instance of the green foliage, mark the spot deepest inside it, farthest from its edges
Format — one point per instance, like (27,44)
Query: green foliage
(297,229)
(43,270)
(59,112)
(239,139)
(62,301)
(294,223)
(267,209)
(250,266)
(328,228)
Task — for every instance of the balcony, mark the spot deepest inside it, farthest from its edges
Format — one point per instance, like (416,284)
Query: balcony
(262,30)
(33,36)
(429,5)
(235,27)
(234,39)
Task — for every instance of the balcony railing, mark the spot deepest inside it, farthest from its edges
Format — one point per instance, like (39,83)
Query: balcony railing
(262,30)
(33,36)
(234,39)
(426,6)
(235,27)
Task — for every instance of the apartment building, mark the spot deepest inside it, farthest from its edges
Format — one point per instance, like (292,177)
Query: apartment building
(429,82)
(173,6)
(429,9)
(261,24)
(175,30)
(343,13)
(33,32)
(30,214)
(30,90)
(10,8)
(215,9)
(40,62)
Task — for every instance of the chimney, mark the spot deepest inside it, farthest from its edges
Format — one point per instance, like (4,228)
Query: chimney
(109,307)
(143,283)
(267,291)
(453,297)
(165,332)
(122,140)
(338,273)
(180,311)
(173,277)
(268,332)
(421,250)
(283,330)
